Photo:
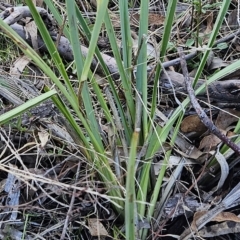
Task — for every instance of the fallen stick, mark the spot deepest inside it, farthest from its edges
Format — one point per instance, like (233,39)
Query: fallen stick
(201,114)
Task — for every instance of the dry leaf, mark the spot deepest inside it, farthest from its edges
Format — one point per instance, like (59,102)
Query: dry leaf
(226,216)
(196,216)
(192,123)
(19,65)
(233,19)
(96,228)
(220,217)
(2,184)
(225,118)
(217,63)
(223,121)
(39,3)
(31,29)
(184,148)
(43,137)
(153,19)
(209,23)
(60,132)
(210,142)
(54,188)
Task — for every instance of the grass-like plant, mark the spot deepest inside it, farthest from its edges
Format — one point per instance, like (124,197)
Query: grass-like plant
(135,194)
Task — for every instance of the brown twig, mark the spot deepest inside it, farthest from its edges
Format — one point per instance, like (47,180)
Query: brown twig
(201,114)
(61,30)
